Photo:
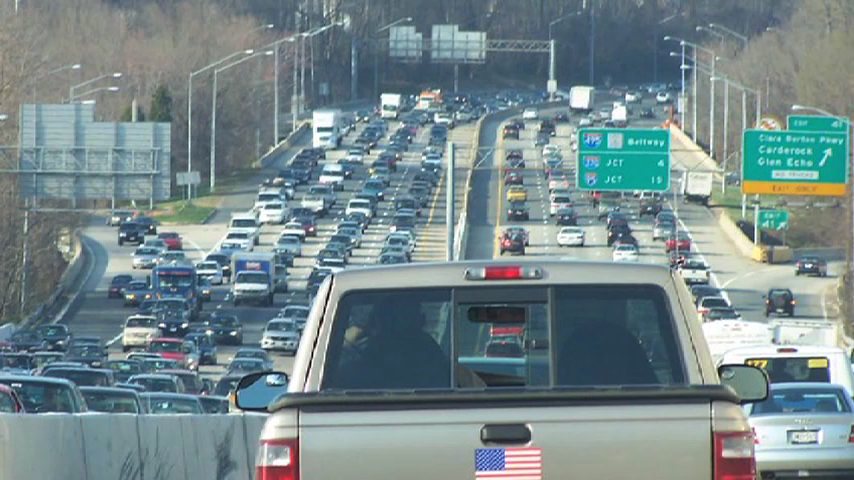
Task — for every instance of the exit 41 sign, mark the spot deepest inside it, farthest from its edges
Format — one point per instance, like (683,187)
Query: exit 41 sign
(773,220)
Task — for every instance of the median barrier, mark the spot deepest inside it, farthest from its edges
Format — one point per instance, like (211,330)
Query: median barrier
(830,254)
(94,446)
(42,446)
(779,254)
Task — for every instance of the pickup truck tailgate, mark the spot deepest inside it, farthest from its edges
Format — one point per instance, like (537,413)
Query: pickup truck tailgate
(619,441)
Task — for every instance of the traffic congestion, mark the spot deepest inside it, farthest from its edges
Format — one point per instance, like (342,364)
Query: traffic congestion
(219,324)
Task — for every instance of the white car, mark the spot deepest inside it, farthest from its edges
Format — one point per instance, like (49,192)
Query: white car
(267,197)
(570,237)
(273,212)
(172,257)
(559,202)
(155,243)
(139,331)
(584,122)
(246,222)
(280,334)
(211,270)
(295,313)
(293,229)
(359,205)
(694,271)
(530,114)
(355,156)
(625,253)
(550,149)
(288,243)
(239,237)
(633,97)
(400,238)
(662,97)
(442,118)
(332,174)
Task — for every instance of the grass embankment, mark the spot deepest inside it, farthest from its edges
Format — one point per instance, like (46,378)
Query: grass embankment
(182,213)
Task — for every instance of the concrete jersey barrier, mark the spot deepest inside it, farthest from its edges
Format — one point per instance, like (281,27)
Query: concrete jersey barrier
(94,446)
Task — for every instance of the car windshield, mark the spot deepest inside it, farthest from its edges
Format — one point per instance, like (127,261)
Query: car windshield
(168,347)
(252,277)
(173,405)
(288,240)
(243,223)
(797,401)
(41,397)
(280,326)
(146,251)
(85,351)
(54,330)
(110,402)
(295,312)
(237,235)
(141,322)
(80,376)
(207,266)
(155,384)
(167,279)
(602,335)
(246,365)
(25,337)
(273,206)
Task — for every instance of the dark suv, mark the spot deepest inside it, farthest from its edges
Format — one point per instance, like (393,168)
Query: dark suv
(517,211)
(131,232)
(649,206)
(780,300)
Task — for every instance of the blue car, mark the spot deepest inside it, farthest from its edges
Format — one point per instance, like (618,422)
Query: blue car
(207,347)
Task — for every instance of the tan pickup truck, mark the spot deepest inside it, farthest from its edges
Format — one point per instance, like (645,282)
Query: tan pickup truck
(609,378)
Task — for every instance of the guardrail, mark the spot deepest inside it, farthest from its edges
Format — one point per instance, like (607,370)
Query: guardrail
(70,277)
(130,447)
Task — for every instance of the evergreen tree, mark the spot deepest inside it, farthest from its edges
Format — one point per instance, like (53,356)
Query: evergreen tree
(161,105)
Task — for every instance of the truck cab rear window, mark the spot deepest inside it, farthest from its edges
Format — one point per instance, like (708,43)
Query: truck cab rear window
(442,338)
(794,369)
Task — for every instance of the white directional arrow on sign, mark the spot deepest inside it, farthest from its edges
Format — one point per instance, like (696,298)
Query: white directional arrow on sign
(827,154)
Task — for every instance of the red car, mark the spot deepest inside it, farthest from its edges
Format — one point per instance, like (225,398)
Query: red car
(176,349)
(680,241)
(9,401)
(172,240)
(513,178)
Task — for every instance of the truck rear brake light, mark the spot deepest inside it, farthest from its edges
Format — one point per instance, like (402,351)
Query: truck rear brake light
(734,456)
(504,272)
(277,460)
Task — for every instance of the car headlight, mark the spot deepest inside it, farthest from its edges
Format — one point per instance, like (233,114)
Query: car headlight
(233,333)
(185,325)
(161,325)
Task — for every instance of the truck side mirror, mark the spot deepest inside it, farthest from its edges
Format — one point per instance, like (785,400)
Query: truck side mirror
(750,383)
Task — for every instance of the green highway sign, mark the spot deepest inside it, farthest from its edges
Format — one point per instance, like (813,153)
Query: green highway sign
(794,163)
(773,220)
(816,123)
(623,159)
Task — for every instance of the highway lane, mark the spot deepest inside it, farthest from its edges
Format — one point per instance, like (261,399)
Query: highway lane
(744,281)
(96,315)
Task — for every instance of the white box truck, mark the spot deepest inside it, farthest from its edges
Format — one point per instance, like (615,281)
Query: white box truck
(697,186)
(327,128)
(254,278)
(581,99)
(620,116)
(817,332)
(390,104)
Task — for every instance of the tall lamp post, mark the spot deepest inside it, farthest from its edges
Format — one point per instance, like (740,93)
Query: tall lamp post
(308,35)
(377,53)
(93,91)
(276,46)
(682,68)
(190,108)
(213,110)
(730,32)
(655,43)
(91,81)
(702,28)
(553,53)
(75,66)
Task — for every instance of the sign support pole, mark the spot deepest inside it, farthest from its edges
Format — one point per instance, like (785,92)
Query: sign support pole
(449,202)
(756,230)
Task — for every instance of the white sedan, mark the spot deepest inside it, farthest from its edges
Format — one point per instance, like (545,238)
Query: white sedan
(295,229)
(212,270)
(272,213)
(625,253)
(570,237)
(530,114)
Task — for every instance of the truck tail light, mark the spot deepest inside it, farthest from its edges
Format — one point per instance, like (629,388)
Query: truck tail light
(851,435)
(277,460)
(734,456)
(503,272)
(755,436)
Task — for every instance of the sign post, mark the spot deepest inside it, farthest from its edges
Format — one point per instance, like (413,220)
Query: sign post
(795,163)
(623,159)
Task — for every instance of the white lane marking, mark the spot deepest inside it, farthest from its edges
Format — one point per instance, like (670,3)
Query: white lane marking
(114,340)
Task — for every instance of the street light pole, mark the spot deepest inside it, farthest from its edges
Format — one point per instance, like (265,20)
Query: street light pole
(276,46)
(190,110)
(91,81)
(377,52)
(553,53)
(63,68)
(735,34)
(213,111)
(93,91)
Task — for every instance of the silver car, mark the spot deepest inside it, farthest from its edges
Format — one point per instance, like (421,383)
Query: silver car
(287,243)
(146,257)
(804,430)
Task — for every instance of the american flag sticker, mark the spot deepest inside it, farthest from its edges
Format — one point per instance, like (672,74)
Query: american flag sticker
(508,463)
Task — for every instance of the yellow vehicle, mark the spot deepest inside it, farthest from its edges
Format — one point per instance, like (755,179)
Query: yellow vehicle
(515,194)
